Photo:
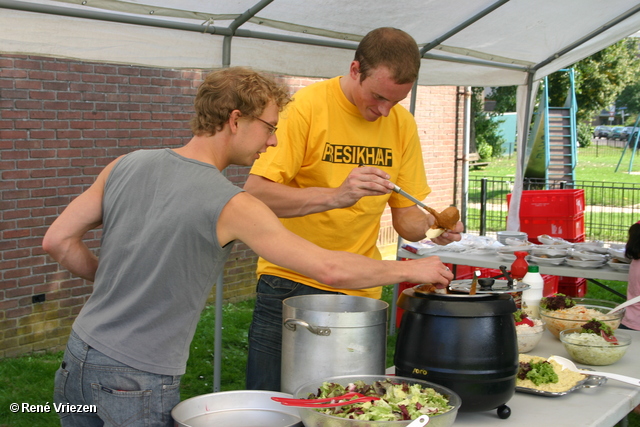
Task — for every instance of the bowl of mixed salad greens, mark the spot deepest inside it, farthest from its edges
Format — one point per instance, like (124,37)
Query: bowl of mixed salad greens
(561,312)
(402,400)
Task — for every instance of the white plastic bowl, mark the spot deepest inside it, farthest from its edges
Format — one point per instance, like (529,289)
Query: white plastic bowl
(528,337)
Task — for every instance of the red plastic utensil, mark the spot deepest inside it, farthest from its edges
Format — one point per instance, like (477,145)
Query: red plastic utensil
(326,399)
(329,402)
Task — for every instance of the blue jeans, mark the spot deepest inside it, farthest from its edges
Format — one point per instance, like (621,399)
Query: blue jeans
(119,395)
(265,333)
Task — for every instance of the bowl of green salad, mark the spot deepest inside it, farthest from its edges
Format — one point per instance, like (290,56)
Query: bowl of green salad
(595,343)
(401,400)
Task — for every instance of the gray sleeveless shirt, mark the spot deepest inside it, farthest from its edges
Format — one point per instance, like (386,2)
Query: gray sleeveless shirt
(159,258)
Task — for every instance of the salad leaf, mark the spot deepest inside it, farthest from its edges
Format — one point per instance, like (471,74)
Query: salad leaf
(557,302)
(595,326)
(537,372)
(598,327)
(398,401)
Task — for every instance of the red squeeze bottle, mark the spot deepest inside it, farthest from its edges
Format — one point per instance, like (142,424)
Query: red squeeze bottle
(520,265)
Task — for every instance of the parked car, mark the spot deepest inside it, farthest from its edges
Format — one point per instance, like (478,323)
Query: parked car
(616,133)
(626,133)
(633,136)
(601,132)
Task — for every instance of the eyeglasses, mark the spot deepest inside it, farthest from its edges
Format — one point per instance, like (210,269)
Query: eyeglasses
(272,128)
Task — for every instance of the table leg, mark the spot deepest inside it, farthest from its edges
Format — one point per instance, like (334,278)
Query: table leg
(603,286)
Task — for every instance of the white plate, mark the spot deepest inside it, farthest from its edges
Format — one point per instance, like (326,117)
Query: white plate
(547,261)
(619,255)
(515,248)
(555,241)
(620,266)
(586,256)
(595,247)
(584,263)
(549,250)
(507,257)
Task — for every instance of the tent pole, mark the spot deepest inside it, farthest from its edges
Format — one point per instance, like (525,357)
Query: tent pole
(247,15)
(226,62)
(217,340)
(462,26)
(396,287)
(465,153)
(524,103)
(173,25)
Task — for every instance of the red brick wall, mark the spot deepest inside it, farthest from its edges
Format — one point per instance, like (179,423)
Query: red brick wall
(62,121)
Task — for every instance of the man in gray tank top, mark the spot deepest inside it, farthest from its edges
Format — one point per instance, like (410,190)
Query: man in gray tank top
(169,220)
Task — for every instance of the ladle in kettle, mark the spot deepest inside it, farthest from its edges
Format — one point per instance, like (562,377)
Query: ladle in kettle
(568,364)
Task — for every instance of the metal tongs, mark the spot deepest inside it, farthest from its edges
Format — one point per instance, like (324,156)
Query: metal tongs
(329,402)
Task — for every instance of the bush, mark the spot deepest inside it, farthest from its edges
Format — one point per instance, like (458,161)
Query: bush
(485,151)
(585,132)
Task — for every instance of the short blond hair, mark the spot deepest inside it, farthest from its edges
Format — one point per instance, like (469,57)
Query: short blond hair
(235,88)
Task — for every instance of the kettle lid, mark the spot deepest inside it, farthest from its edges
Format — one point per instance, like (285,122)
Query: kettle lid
(457,305)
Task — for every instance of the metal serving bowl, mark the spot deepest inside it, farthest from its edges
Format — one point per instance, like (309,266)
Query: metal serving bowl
(245,408)
(312,418)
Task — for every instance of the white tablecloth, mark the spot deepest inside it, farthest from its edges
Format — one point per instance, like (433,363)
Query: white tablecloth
(595,407)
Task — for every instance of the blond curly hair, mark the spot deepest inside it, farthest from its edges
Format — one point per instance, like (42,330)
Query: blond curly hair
(235,88)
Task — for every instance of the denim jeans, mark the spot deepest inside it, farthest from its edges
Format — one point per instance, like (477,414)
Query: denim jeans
(265,333)
(121,395)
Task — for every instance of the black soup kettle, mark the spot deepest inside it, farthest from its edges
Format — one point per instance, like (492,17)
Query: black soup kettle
(467,343)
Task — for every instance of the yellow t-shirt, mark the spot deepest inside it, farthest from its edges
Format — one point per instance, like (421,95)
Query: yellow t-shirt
(321,138)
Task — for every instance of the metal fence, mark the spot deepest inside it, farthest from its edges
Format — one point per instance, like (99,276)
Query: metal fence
(610,208)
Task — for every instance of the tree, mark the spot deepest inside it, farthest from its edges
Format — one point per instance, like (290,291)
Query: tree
(630,97)
(598,79)
(488,141)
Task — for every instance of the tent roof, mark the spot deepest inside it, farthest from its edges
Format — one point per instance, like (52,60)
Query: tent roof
(465,42)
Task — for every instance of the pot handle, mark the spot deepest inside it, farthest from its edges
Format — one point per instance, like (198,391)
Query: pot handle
(317,330)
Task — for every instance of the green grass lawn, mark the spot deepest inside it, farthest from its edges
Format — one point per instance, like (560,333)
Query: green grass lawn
(592,165)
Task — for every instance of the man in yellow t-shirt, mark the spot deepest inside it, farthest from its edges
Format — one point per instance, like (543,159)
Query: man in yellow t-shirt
(342,143)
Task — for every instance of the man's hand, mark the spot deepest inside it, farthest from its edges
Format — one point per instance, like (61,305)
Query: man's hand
(432,270)
(450,235)
(361,182)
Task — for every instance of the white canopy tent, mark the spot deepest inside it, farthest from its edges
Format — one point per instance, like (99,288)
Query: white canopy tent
(463,42)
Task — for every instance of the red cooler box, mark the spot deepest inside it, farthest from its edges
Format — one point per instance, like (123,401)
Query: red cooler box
(572,286)
(550,203)
(557,213)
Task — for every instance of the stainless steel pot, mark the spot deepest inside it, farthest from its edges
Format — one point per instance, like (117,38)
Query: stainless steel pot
(330,335)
